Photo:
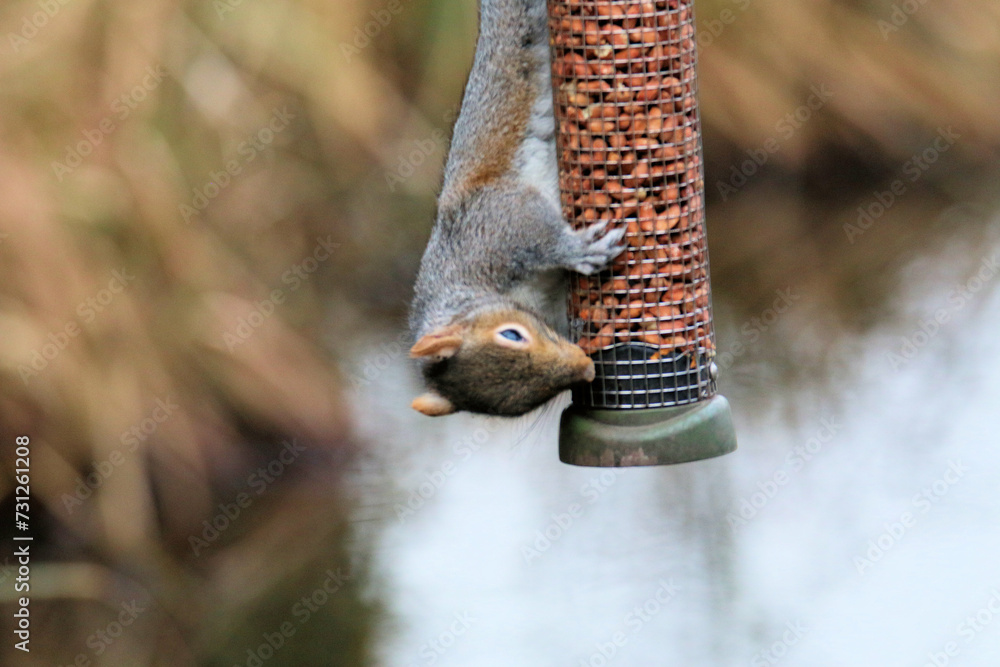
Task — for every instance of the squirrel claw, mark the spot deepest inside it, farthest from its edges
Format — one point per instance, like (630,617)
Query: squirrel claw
(597,251)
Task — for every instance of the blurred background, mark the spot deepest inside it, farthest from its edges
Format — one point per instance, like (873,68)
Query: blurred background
(211,215)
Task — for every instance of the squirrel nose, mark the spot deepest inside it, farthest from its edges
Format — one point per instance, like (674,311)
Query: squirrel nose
(586,366)
(583,364)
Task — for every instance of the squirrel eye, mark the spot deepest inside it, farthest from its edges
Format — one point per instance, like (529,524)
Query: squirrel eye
(512,335)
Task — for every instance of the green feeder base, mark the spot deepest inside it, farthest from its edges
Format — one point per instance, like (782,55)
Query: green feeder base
(647,437)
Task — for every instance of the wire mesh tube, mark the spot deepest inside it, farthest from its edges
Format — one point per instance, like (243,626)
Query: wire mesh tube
(630,152)
(629,141)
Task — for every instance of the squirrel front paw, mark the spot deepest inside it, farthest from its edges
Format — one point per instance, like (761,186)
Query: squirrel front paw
(595,247)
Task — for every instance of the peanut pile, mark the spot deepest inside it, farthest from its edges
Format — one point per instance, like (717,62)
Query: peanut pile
(629,152)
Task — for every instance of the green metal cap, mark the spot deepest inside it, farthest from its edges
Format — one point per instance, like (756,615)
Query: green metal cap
(647,437)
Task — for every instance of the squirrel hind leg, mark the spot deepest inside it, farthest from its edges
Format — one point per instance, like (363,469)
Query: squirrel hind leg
(593,248)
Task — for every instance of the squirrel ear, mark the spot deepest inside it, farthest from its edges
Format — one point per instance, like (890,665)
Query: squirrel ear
(441,343)
(433,405)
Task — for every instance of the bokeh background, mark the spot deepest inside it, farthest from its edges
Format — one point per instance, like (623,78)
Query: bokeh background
(211,214)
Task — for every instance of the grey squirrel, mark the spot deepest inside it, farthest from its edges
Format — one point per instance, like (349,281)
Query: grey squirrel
(489,310)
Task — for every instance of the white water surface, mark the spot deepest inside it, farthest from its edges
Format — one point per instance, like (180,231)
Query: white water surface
(880,550)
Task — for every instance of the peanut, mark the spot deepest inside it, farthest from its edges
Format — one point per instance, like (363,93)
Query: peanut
(629,145)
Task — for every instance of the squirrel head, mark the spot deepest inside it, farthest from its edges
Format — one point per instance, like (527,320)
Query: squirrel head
(504,362)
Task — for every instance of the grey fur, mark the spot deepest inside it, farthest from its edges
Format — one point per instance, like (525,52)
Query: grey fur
(505,244)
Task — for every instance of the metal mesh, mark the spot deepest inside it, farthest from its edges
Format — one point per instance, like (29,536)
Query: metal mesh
(630,152)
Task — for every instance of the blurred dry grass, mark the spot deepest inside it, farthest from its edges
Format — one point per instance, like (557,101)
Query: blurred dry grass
(358,117)
(84,359)
(898,72)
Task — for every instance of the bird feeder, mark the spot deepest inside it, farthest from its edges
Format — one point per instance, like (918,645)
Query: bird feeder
(629,144)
